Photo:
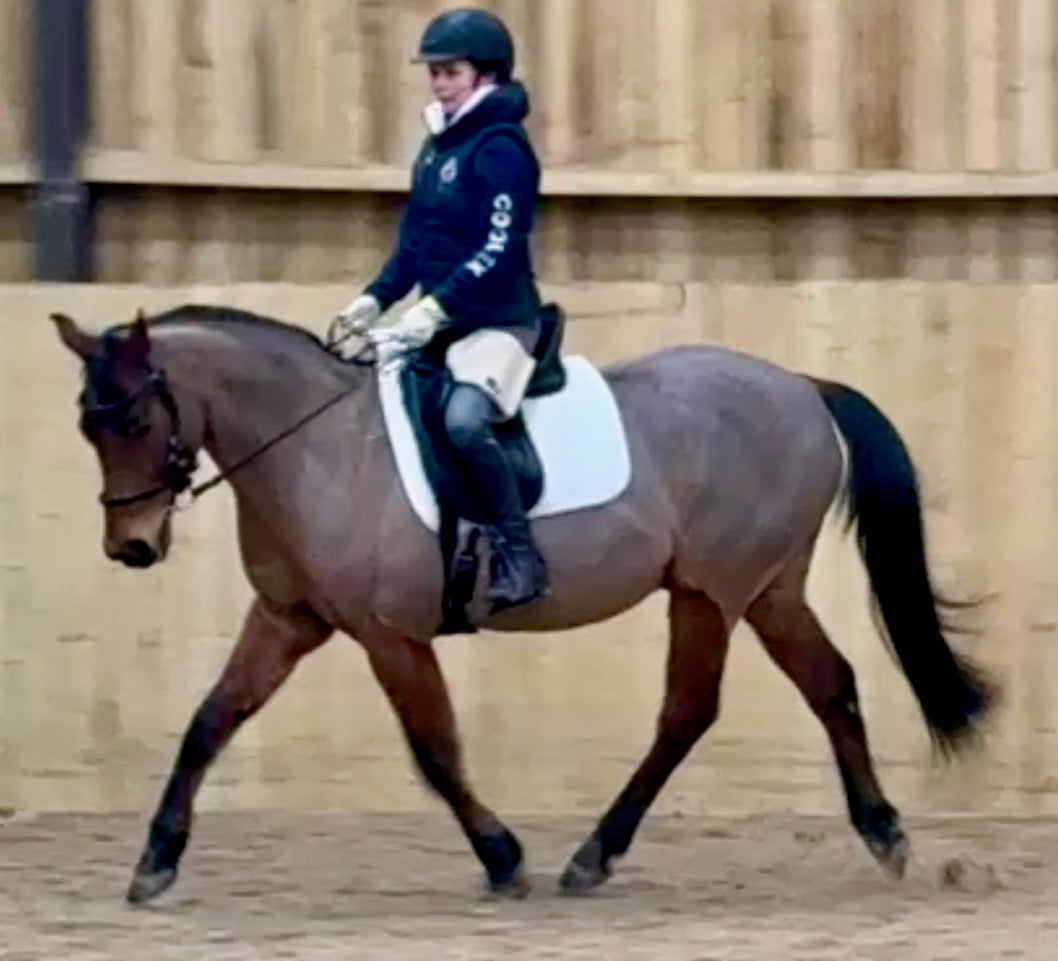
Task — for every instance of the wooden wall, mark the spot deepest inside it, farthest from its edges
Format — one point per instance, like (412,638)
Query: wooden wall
(679,86)
(100,666)
(683,140)
(162,235)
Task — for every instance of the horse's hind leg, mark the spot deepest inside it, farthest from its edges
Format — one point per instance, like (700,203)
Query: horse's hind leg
(408,672)
(270,644)
(797,643)
(698,644)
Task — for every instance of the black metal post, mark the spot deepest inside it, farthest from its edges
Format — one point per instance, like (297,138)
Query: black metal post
(62,209)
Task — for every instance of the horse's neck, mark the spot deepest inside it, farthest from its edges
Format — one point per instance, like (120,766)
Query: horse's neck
(255,387)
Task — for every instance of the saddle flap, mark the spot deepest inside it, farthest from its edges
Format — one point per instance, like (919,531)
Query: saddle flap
(577,433)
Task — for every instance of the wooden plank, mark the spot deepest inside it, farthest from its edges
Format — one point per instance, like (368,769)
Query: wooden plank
(1035,87)
(827,246)
(758,75)
(229,133)
(927,89)
(192,89)
(111,77)
(156,100)
(1034,131)
(16,239)
(133,167)
(154,97)
(719,111)
(873,68)
(671,94)
(829,146)
(985,234)
(312,69)
(788,95)
(15,87)
(982,84)
(1037,242)
(555,80)
(17,173)
(935,107)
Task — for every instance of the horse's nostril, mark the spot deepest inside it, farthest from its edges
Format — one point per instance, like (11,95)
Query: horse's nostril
(137,553)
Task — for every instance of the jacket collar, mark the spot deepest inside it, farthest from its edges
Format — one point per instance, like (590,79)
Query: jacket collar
(437,121)
(508,103)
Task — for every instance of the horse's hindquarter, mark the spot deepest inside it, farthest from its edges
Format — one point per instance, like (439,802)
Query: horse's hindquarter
(734,466)
(746,453)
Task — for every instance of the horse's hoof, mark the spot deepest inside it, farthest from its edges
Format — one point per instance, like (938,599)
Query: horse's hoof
(892,856)
(586,870)
(147,885)
(514,888)
(884,836)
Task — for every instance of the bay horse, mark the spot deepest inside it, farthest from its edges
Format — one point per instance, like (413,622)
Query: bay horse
(735,463)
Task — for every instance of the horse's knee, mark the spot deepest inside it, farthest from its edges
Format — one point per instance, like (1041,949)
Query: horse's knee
(841,699)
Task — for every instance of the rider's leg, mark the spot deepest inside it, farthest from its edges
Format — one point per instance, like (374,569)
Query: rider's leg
(520,574)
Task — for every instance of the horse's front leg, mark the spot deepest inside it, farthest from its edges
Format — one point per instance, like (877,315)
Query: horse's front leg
(270,644)
(411,677)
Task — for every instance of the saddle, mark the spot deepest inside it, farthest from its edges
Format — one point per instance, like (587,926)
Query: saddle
(426,383)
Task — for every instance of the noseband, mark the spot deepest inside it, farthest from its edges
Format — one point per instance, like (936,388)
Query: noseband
(180,461)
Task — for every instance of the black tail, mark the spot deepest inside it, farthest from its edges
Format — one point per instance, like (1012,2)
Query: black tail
(882,499)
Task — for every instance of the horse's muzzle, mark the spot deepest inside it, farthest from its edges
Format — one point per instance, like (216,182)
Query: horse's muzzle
(138,542)
(136,553)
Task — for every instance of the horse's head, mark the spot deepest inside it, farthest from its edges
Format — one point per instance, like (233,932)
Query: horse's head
(130,417)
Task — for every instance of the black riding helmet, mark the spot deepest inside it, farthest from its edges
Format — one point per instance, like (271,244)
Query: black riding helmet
(469,34)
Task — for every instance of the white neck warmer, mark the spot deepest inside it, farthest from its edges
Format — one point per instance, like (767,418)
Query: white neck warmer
(434,114)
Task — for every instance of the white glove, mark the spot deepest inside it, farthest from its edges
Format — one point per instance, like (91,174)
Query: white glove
(420,322)
(389,347)
(357,317)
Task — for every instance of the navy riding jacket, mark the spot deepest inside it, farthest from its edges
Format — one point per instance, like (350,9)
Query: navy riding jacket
(465,232)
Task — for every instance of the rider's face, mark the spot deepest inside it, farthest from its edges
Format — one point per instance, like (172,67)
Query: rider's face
(452,83)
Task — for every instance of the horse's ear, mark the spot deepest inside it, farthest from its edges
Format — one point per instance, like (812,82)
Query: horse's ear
(82,343)
(137,345)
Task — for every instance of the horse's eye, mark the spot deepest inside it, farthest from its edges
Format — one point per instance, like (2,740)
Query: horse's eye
(132,425)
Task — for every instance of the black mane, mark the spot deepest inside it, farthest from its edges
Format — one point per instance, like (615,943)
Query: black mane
(100,387)
(222,316)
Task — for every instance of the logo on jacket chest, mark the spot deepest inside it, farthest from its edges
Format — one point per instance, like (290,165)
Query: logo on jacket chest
(449,170)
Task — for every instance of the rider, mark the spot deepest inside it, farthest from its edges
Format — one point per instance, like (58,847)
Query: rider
(465,239)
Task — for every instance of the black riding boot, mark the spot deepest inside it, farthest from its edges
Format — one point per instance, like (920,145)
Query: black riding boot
(518,572)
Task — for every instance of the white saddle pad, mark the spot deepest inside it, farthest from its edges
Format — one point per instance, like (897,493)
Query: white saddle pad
(578,434)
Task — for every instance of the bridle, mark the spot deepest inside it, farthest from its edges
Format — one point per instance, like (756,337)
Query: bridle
(180,461)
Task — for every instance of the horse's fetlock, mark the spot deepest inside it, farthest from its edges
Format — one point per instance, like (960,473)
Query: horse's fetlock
(500,853)
(166,843)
